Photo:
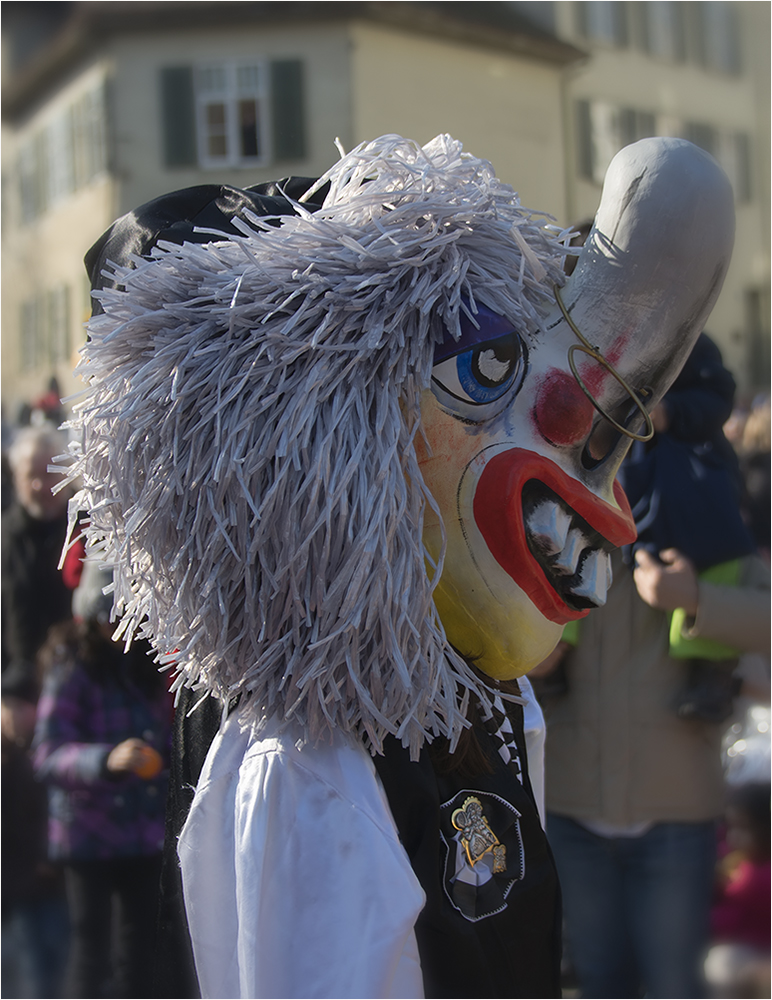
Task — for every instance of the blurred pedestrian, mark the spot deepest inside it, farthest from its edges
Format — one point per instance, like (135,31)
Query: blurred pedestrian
(633,762)
(101,744)
(739,961)
(34,913)
(34,592)
(754,449)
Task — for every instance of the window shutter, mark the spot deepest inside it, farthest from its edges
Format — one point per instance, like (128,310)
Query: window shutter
(621,33)
(288,109)
(582,20)
(743,187)
(647,125)
(179,116)
(584,144)
(702,135)
(628,131)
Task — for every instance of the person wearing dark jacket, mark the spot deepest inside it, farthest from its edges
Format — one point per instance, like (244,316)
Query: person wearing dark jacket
(34,592)
(101,746)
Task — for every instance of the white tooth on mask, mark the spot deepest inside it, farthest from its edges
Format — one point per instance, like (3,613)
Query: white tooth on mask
(594,577)
(567,560)
(548,526)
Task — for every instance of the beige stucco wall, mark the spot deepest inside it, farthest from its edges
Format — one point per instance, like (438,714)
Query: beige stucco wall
(502,107)
(47,252)
(362,80)
(137,109)
(685,92)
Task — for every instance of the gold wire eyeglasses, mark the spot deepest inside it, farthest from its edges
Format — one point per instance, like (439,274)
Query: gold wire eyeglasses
(594,352)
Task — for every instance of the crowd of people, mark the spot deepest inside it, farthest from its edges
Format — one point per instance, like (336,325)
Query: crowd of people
(85,743)
(662,860)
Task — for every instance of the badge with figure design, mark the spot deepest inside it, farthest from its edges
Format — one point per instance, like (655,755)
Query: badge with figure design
(476,835)
(484,852)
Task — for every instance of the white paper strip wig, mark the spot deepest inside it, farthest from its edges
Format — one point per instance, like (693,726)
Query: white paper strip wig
(246,443)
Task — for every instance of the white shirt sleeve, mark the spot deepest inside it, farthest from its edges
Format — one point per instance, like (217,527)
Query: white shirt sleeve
(295,882)
(535,731)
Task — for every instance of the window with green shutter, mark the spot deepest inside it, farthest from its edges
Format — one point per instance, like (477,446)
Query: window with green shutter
(240,113)
(179,116)
(288,110)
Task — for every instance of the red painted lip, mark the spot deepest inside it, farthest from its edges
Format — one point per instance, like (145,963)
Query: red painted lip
(498,511)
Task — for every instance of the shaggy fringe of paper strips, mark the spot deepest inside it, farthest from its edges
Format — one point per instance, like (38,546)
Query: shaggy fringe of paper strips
(246,446)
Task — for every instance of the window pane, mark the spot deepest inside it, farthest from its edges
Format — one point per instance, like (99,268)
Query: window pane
(98,137)
(231,121)
(60,151)
(721,46)
(217,146)
(733,153)
(248,126)
(79,142)
(29,334)
(664,29)
(42,163)
(703,136)
(58,324)
(211,79)
(94,132)
(757,325)
(604,22)
(248,79)
(628,131)
(604,123)
(646,125)
(28,182)
(215,116)
(216,130)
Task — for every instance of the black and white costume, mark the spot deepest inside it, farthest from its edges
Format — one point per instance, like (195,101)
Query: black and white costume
(338,452)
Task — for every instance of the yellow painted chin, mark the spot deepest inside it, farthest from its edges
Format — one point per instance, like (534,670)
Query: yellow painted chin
(486,616)
(503,645)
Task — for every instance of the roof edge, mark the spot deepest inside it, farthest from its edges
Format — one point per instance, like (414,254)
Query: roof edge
(93,23)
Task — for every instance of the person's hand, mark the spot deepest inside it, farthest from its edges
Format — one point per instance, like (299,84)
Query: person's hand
(127,756)
(659,418)
(669,584)
(550,663)
(17,720)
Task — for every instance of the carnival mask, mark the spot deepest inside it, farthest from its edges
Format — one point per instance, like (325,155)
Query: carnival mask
(525,435)
(335,456)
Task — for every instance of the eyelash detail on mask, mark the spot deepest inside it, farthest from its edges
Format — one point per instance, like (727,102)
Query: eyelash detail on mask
(489,373)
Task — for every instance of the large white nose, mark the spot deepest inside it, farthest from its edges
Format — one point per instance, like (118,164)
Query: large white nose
(644,285)
(654,262)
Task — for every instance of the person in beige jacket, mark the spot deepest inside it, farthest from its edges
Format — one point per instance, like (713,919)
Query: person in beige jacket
(632,789)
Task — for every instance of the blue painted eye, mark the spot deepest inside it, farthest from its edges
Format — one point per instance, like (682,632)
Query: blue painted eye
(484,374)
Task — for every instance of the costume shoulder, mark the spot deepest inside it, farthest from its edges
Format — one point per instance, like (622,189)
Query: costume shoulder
(477,846)
(305,832)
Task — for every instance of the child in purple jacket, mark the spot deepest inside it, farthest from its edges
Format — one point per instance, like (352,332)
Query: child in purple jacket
(100,743)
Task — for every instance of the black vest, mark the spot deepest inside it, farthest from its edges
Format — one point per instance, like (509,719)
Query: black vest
(501,939)
(492,921)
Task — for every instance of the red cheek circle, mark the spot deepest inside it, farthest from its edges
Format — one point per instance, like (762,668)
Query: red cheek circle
(562,412)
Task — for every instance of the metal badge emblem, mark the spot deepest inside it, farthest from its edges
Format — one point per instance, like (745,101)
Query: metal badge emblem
(476,835)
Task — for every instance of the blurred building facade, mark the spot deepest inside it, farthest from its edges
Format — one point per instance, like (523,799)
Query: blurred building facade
(107,105)
(700,71)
